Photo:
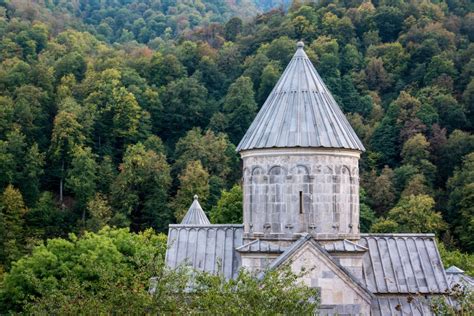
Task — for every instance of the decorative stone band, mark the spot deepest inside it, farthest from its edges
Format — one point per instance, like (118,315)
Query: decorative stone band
(300,151)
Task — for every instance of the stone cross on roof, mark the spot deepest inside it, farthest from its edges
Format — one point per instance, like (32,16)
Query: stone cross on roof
(300,112)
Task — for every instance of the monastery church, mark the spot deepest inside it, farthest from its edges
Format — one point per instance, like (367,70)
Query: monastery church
(301,208)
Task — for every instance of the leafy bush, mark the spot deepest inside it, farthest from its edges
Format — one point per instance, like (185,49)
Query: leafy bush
(110,271)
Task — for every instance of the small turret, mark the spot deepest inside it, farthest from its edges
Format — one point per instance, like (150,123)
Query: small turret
(195,215)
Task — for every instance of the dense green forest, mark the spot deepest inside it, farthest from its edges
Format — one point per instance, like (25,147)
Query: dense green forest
(137,20)
(118,112)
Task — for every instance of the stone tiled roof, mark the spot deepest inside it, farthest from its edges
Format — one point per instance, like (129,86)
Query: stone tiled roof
(210,248)
(300,112)
(261,246)
(397,305)
(403,263)
(344,246)
(195,215)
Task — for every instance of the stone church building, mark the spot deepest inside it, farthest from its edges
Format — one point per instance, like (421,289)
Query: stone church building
(301,208)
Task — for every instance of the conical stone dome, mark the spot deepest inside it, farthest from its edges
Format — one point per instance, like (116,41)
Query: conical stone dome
(195,215)
(300,112)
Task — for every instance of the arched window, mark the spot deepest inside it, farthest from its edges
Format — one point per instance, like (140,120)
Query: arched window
(258,197)
(301,193)
(276,195)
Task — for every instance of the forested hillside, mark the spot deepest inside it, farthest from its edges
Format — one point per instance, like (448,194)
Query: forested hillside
(106,119)
(142,21)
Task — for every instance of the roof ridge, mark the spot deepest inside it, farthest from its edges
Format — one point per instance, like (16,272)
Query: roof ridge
(270,247)
(397,235)
(346,246)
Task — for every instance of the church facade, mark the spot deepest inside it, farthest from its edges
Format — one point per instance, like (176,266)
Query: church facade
(301,208)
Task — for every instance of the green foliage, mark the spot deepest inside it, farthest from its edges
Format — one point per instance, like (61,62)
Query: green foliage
(278,291)
(202,146)
(268,79)
(91,263)
(367,215)
(140,191)
(385,141)
(464,261)
(414,214)
(461,202)
(105,76)
(82,175)
(21,165)
(240,108)
(46,219)
(380,190)
(229,208)
(111,270)
(185,100)
(462,295)
(99,211)
(12,216)
(194,180)
(233,27)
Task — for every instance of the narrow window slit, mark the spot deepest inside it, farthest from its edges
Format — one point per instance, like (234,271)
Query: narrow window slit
(301,202)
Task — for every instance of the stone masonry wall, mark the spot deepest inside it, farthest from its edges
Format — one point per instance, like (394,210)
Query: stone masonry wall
(338,295)
(291,191)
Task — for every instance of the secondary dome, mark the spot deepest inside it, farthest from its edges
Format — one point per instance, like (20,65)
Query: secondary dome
(300,112)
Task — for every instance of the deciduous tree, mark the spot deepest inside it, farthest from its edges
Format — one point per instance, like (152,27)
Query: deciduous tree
(229,207)
(140,191)
(194,180)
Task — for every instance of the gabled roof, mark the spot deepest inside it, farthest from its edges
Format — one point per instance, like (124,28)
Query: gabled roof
(195,215)
(307,238)
(261,246)
(300,112)
(344,246)
(403,263)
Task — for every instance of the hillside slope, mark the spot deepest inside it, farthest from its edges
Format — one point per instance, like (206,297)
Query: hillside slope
(94,132)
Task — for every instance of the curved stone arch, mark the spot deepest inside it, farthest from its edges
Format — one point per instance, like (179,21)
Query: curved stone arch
(344,169)
(258,169)
(300,167)
(273,169)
